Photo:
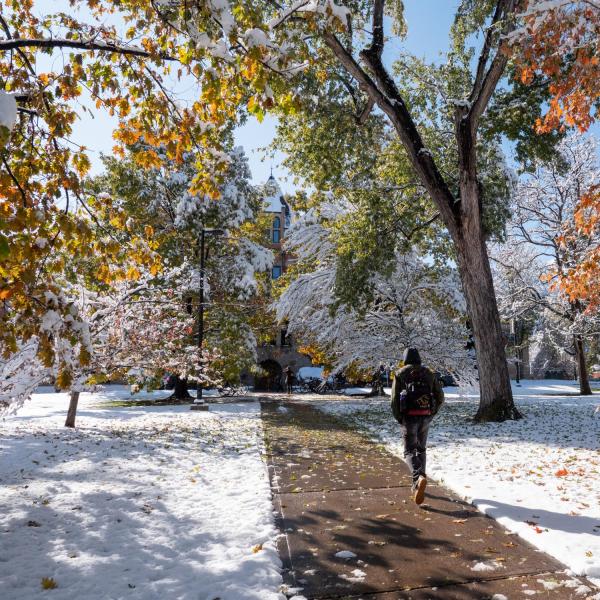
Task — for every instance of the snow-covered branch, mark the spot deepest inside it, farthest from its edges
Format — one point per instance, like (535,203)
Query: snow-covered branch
(416,306)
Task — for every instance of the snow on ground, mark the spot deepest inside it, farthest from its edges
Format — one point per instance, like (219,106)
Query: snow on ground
(539,477)
(138,502)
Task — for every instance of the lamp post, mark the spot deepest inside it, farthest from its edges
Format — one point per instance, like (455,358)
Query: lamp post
(199,403)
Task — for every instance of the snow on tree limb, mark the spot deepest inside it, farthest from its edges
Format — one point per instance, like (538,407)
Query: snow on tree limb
(415,306)
(558,41)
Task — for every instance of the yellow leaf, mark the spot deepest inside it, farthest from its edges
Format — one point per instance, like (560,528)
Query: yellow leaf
(64,379)
(133,273)
(48,583)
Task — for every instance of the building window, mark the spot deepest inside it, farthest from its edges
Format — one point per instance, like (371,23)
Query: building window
(276,233)
(276,272)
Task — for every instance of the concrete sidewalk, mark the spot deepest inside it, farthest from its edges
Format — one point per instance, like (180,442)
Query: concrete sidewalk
(338,492)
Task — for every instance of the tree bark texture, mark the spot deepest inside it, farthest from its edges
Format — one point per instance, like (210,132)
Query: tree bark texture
(180,391)
(496,400)
(584,380)
(72,412)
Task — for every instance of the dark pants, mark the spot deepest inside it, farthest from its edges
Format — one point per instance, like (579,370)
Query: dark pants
(288,386)
(414,431)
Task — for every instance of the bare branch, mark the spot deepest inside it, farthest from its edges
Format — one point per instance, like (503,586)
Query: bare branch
(13,44)
(485,85)
(15,180)
(364,115)
(485,51)
(288,14)
(28,111)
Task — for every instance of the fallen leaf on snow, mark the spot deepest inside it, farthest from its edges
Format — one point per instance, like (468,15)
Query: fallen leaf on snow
(48,583)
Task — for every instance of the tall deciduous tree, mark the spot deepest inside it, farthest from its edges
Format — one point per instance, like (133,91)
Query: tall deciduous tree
(558,46)
(545,246)
(348,44)
(157,329)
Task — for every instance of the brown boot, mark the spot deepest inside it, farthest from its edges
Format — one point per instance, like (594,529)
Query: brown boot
(419,491)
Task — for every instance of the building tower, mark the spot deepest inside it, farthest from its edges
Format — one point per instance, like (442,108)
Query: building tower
(280,212)
(281,352)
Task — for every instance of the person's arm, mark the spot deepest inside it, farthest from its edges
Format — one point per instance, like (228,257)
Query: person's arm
(401,380)
(438,392)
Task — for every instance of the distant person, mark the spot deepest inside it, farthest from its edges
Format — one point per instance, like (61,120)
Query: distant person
(289,379)
(378,381)
(416,398)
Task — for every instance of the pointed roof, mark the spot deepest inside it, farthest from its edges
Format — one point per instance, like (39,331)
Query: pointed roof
(273,200)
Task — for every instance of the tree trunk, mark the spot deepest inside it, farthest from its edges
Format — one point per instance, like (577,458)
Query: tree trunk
(180,391)
(496,401)
(72,412)
(584,381)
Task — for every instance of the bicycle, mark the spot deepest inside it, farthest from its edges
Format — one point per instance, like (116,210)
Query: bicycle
(231,391)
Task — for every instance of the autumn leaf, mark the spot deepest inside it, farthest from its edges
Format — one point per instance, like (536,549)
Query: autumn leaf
(543,51)
(48,583)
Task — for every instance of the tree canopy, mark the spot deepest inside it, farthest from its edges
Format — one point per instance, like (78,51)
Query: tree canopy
(417,147)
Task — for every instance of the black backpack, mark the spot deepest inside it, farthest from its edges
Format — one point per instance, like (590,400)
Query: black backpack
(416,395)
(417,391)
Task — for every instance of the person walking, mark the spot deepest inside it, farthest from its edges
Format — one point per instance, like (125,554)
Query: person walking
(377,382)
(289,379)
(417,396)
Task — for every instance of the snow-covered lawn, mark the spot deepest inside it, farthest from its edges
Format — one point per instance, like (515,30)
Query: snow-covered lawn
(137,502)
(539,477)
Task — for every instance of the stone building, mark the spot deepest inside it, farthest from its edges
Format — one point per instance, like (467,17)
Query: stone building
(281,352)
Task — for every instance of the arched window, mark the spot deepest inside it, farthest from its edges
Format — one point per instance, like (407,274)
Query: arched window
(276,232)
